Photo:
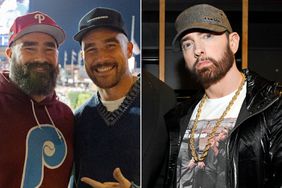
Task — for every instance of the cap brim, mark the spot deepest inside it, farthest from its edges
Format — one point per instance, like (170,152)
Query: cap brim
(201,26)
(57,33)
(78,36)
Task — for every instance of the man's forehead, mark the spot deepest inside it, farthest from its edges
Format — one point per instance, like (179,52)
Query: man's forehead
(189,35)
(34,37)
(100,31)
(197,32)
(97,39)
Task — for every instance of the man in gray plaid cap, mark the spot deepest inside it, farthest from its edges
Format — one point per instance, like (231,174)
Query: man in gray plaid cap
(229,135)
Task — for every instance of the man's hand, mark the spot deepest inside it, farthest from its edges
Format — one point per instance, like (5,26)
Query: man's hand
(201,165)
(191,164)
(122,182)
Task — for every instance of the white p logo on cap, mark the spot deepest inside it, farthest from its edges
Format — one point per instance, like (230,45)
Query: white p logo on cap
(39,17)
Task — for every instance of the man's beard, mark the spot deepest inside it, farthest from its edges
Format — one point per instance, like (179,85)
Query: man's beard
(210,75)
(31,81)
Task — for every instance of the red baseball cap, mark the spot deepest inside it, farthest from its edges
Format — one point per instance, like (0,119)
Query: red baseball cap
(36,22)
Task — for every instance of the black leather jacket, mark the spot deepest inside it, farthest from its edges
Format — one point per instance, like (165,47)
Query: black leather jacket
(254,147)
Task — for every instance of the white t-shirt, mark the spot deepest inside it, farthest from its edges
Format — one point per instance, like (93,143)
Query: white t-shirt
(213,174)
(112,105)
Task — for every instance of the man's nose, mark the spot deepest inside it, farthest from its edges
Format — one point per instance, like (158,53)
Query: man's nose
(199,50)
(102,55)
(41,56)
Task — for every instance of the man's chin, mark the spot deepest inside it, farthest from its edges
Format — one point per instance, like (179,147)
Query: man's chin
(104,84)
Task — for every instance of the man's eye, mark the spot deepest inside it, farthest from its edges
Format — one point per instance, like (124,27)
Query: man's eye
(186,45)
(111,45)
(207,35)
(50,49)
(91,49)
(29,49)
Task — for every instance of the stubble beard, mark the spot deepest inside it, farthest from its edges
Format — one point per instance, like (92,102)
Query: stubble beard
(108,81)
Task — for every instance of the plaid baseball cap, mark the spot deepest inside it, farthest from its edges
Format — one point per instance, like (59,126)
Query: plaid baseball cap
(100,17)
(201,16)
(35,22)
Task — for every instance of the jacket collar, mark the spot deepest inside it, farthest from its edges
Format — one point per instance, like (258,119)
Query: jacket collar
(260,92)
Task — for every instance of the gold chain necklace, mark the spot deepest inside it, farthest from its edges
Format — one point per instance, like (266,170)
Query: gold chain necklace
(195,156)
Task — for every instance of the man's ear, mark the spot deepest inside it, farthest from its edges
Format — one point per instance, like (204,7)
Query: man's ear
(82,54)
(129,49)
(234,40)
(8,52)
